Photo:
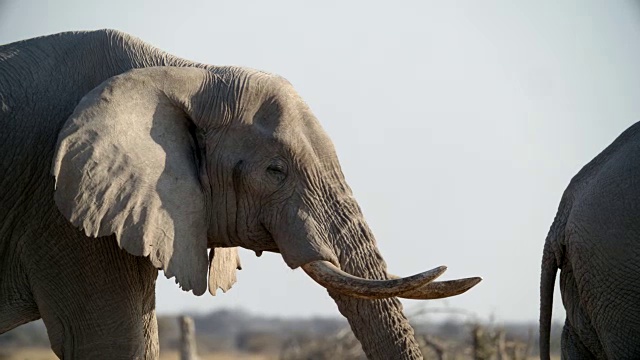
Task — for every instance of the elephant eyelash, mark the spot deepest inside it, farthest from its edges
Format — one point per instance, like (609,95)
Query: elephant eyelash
(278,171)
(276,168)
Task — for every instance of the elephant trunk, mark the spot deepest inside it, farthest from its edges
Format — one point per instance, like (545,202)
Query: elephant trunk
(380,325)
(332,243)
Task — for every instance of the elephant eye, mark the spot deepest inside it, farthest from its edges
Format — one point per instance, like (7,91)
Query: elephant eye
(277,170)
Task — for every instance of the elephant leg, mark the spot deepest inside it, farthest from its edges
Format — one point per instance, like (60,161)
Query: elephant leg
(572,347)
(150,327)
(579,338)
(17,305)
(96,300)
(602,292)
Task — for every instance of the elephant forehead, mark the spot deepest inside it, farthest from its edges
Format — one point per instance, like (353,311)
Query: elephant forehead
(306,141)
(284,119)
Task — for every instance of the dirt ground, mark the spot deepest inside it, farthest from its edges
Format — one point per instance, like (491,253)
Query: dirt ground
(44,354)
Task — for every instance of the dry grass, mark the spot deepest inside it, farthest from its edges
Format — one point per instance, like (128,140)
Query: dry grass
(45,354)
(30,354)
(174,355)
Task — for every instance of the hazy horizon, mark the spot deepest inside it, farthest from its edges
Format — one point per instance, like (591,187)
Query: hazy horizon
(458,124)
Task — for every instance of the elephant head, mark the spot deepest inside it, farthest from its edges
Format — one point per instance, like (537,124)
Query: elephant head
(174,161)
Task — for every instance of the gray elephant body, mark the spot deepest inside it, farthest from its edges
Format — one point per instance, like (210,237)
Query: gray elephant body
(161,159)
(48,268)
(595,242)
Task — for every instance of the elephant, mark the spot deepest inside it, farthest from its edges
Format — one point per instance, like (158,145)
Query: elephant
(119,159)
(595,242)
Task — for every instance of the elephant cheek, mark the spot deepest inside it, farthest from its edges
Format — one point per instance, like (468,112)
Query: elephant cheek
(301,240)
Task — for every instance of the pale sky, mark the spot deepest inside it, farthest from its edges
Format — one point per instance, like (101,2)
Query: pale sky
(458,123)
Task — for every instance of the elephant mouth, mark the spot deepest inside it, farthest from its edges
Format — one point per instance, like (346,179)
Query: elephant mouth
(272,250)
(262,241)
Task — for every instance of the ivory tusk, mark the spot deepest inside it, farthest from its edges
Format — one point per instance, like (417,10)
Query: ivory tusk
(332,278)
(440,289)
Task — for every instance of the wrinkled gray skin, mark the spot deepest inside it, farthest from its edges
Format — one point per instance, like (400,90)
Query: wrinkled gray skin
(595,242)
(161,163)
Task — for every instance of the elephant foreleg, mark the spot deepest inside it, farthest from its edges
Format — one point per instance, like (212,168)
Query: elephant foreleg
(150,328)
(96,300)
(17,305)
(17,308)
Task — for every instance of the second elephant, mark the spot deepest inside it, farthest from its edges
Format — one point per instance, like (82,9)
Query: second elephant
(595,242)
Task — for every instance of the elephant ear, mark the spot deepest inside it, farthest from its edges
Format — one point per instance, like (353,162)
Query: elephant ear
(125,164)
(223,263)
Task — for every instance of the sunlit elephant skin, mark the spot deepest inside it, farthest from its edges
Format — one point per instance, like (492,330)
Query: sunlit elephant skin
(595,242)
(104,136)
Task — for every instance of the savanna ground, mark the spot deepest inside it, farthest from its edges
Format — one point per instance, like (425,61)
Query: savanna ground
(226,335)
(46,354)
